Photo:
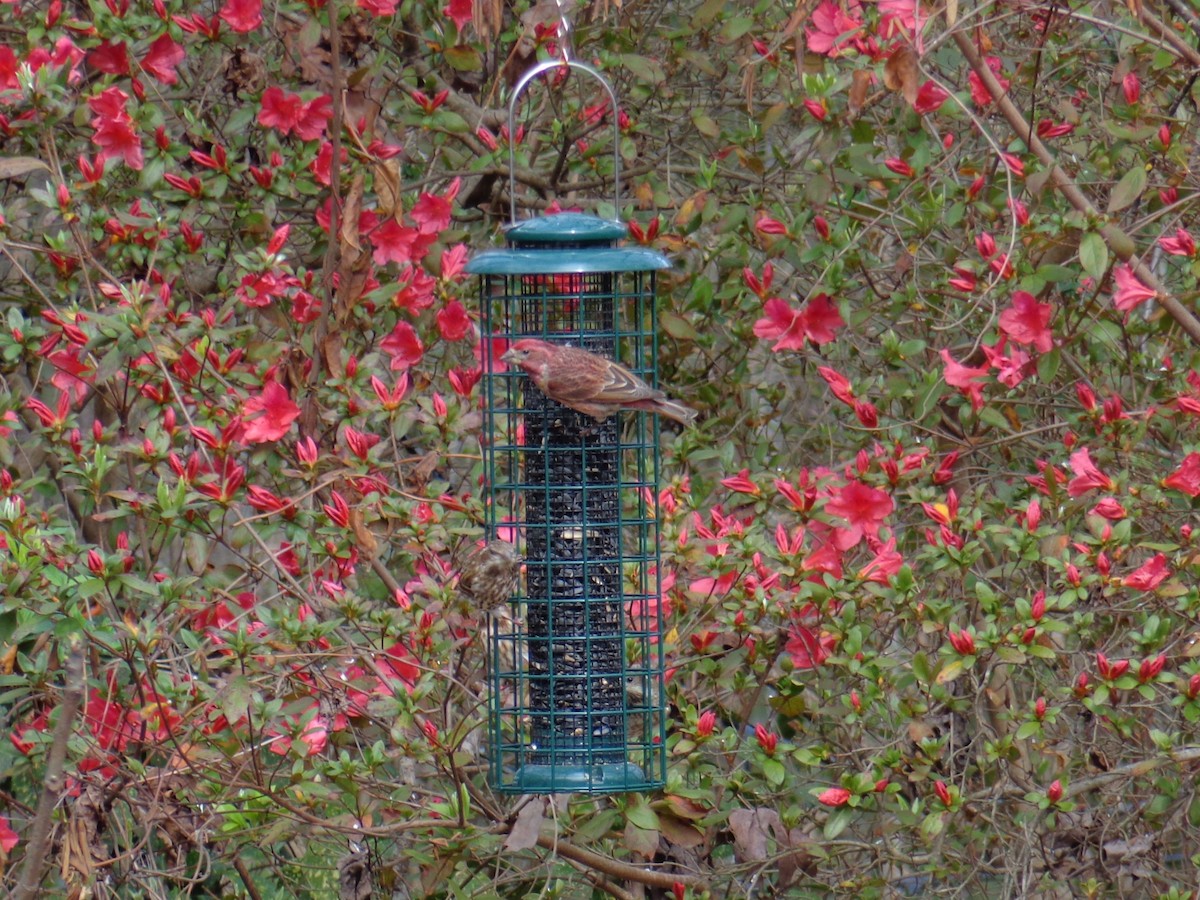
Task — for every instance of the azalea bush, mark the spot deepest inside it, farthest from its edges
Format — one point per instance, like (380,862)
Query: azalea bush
(929,563)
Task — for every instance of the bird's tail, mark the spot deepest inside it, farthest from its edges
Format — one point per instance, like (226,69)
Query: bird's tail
(685,415)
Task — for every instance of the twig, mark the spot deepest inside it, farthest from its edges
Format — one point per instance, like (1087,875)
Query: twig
(614,867)
(1120,243)
(52,784)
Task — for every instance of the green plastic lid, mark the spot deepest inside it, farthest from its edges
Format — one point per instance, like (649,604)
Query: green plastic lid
(540,249)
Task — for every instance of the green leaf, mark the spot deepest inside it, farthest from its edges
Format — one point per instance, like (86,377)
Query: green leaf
(837,822)
(644,68)
(464,58)
(1093,254)
(1028,730)
(705,125)
(1048,364)
(640,814)
(1128,189)
(677,326)
(773,771)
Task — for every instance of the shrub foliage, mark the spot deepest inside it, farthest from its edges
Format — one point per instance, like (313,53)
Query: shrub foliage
(930,585)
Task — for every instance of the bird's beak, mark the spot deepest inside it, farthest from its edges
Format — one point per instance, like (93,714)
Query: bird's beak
(510,356)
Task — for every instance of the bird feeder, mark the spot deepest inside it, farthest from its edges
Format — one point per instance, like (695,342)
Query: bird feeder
(576,663)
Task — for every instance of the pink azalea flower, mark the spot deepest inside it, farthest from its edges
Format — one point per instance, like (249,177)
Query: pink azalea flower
(278,412)
(1028,322)
(1087,476)
(1130,291)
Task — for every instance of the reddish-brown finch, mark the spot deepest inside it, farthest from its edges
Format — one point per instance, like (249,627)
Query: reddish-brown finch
(490,575)
(588,383)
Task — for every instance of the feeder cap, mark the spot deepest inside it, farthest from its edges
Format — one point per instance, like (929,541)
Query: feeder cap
(566,243)
(566,228)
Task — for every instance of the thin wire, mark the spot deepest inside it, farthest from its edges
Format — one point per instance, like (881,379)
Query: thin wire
(564,30)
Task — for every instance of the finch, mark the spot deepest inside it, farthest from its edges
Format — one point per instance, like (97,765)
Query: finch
(588,383)
(490,575)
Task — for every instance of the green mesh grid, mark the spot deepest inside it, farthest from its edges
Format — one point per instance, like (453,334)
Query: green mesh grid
(576,664)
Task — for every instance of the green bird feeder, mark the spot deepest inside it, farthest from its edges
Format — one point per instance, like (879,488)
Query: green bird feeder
(576,661)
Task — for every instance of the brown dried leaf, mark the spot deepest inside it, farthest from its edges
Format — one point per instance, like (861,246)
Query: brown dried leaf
(8,659)
(351,210)
(528,825)
(678,832)
(752,830)
(902,72)
(387,187)
(860,83)
(918,731)
(686,807)
(641,841)
(362,534)
(15,166)
(354,876)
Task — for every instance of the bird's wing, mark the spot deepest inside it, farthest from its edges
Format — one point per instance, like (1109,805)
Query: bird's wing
(588,378)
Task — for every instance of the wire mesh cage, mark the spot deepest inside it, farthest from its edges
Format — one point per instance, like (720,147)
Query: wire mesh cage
(576,663)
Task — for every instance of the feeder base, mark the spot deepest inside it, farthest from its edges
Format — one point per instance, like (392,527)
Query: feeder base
(613,778)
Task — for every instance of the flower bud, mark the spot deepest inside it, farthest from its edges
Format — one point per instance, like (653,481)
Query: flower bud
(943,793)
(1131,87)
(1054,793)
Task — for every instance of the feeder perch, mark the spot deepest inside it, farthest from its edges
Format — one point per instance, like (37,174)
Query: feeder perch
(576,666)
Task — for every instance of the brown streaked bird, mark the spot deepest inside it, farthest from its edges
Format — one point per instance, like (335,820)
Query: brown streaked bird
(490,575)
(588,383)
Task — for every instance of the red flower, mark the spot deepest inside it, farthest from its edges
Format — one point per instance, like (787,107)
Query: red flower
(962,641)
(1151,668)
(112,58)
(768,740)
(1187,477)
(403,346)
(394,242)
(1149,575)
(8,837)
(765,224)
(741,483)
(1028,322)
(242,15)
(807,648)
(818,322)
(834,797)
(1109,508)
(838,383)
(930,98)
(1130,291)
(832,29)
(899,166)
(460,12)
(114,129)
(432,212)
(887,562)
(706,723)
(1180,245)
(379,7)
(1087,476)
(1047,129)
(1109,671)
(1054,793)
(162,58)
(289,112)
(453,322)
(278,413)
(979,92)
(863,507)
(943,793)
(1131,87)
(965,378)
